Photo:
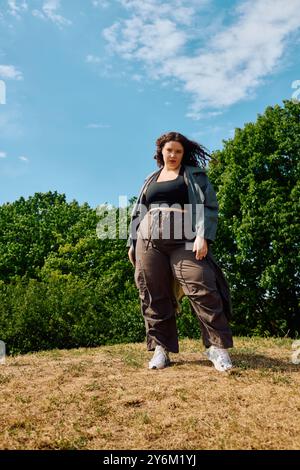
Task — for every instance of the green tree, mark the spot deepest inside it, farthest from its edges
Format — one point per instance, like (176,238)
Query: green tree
(257,179)
(31,229)
(60,285)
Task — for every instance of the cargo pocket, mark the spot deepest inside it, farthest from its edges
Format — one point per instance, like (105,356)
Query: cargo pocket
(140,282)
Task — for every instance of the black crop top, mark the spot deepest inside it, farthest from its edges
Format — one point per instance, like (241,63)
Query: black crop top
(168,192)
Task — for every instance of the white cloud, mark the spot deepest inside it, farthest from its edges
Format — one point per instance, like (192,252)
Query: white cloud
(137,77)
(100,3)
(50,12)
(10,72)
(24,159)
(106,68)
(93,59)
(153,25)
(182,11)
(230,64)
(38,14)
(16,8)
(3,155)
(98,126)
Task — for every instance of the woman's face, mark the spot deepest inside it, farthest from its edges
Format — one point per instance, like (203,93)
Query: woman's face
(172,154)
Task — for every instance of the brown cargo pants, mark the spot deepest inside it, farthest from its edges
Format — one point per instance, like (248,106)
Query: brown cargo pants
(160,255)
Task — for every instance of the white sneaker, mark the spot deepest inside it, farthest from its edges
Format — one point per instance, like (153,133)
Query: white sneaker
(219,357)
(160,358)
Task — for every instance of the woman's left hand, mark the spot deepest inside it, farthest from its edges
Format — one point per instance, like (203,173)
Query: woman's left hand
(200,246)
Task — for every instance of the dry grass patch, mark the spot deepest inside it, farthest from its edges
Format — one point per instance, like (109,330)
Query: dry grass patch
(106,398)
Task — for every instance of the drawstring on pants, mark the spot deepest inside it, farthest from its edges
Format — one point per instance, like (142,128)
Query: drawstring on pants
(156,217)
(148,241)
(151,215)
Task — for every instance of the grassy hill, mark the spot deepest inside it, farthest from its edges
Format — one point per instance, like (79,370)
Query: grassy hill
(106,398)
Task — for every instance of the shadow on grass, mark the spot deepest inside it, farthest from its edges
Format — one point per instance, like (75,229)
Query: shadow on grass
(248,361)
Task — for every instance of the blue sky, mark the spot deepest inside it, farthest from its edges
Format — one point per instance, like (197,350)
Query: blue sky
(87,86)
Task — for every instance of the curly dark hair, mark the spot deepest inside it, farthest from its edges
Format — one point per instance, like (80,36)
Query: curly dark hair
(194,153)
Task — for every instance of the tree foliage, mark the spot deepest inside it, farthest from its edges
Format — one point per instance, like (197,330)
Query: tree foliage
(257,178)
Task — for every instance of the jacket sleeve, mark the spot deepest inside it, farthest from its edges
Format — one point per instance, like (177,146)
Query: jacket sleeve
(131,241)
(208,213)
(136,215)
(211,209)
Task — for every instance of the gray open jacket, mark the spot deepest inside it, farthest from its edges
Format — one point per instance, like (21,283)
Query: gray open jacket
(204,223)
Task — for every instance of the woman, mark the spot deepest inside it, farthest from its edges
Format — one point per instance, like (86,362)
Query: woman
(173,223)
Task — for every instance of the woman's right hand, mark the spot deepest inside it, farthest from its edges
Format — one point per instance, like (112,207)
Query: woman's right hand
(131,256)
